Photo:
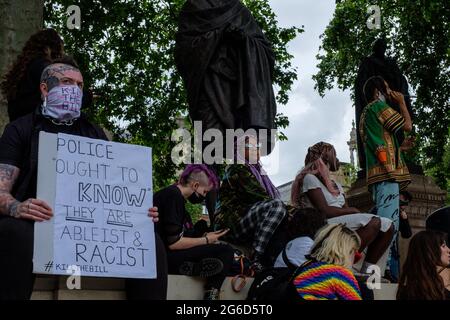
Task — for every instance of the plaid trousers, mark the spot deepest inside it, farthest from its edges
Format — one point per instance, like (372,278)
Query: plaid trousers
(261,221)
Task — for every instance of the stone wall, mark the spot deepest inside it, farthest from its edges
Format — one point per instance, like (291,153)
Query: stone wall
(19,20)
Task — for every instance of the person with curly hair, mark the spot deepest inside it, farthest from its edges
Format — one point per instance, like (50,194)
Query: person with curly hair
(20,85)
(327,274)
(423,273)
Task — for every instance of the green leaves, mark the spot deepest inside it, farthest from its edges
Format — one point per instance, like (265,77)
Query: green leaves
(418,34)
(125,50)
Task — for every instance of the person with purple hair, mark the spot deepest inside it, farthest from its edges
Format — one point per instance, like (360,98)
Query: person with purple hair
(189,253)
(249,204)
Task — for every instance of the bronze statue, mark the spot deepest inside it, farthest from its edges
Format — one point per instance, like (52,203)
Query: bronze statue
(227,65)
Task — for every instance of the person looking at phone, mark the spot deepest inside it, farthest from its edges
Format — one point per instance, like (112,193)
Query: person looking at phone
(187,253)
(387,173)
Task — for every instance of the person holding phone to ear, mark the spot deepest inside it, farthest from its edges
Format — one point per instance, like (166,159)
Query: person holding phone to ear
(386,171)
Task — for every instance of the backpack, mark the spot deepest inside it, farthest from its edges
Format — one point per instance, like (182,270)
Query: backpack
(275,283)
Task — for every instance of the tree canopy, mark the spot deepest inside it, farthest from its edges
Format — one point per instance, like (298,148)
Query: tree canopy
(125,50)
(418,36)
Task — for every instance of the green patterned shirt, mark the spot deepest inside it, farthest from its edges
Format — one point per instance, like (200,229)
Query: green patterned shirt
(384,160)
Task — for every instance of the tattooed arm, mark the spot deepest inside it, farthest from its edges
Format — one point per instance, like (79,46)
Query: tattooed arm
(8,176)
(32,209)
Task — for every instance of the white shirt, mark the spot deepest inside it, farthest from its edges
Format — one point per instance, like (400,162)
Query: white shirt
(295,251)
(311,182)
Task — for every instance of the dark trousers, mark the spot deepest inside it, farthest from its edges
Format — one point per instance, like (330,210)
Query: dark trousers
(16,265)
(151,289)
(16,258)
(223,252)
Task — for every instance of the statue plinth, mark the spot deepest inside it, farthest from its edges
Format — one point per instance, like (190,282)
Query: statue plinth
(427,197)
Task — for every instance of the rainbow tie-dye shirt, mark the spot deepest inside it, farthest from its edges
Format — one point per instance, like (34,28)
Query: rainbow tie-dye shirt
(323,281)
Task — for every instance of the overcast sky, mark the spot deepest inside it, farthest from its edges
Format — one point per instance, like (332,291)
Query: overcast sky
(312,119)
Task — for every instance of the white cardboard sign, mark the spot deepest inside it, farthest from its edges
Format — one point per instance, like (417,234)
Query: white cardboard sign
(100,192)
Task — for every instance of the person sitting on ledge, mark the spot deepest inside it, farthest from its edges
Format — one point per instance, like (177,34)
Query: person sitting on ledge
(187,252)
(327,275)
(249,203)
(301,230)
(19,208)
(314,187)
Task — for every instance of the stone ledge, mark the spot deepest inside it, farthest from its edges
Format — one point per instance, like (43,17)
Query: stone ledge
(42,295)
(179,288)
(95,283)
(89,295)
(45,283)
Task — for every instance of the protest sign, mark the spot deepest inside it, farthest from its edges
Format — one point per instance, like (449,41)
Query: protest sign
(100,192)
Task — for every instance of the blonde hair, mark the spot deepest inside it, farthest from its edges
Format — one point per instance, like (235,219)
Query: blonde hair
(335,244)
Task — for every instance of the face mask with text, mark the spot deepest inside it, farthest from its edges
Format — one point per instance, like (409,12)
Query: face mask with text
(63,103)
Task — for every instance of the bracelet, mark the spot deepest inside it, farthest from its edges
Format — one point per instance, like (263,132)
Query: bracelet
(207,240)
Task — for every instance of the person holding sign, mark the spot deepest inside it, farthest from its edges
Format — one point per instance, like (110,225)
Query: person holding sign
(61,90)
(187,254)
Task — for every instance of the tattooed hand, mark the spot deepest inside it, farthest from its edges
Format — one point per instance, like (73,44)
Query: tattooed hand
(32,209)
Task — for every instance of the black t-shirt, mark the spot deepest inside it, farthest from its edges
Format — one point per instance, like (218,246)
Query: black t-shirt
(19,147)
(173,217)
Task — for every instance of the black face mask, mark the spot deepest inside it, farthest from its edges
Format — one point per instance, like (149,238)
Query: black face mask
(194,198)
